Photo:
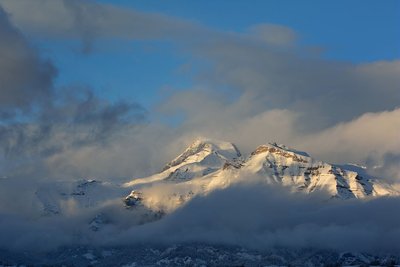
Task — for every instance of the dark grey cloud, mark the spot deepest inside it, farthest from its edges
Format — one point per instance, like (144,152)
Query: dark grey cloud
(25,79)
(251,215)
(74,123)
(41,122)
(77,107)
(262,217)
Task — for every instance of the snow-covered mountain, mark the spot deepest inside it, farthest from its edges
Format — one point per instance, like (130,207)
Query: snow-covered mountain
(207,165)
(201,158)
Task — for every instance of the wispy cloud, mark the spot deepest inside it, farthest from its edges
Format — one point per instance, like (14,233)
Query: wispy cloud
(90,21)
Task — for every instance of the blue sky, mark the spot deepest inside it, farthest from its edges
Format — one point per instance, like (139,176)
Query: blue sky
(355,31)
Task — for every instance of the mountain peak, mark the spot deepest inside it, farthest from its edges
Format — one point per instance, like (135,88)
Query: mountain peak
(203,147)
(279,149)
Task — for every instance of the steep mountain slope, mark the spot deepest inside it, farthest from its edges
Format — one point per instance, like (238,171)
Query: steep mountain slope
(208,165)
(201,158)
(279,164)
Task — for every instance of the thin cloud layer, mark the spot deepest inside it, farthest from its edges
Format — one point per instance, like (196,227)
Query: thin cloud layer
(89,21)
(274,34)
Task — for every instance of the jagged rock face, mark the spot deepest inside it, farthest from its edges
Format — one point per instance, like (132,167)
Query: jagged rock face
(279,164)
(274,149)
(133,199)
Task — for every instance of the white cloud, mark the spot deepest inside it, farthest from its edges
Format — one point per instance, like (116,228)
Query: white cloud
(370,135)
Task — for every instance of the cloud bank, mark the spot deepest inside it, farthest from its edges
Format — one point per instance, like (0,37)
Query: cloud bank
(260,217)
(251,215)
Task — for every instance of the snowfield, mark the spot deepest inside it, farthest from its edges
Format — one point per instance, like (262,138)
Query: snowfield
(209,165)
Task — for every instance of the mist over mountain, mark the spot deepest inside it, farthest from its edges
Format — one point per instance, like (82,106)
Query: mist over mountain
(276,197)
(142,134)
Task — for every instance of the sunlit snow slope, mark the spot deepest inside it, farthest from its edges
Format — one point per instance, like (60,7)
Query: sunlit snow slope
(207,165)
